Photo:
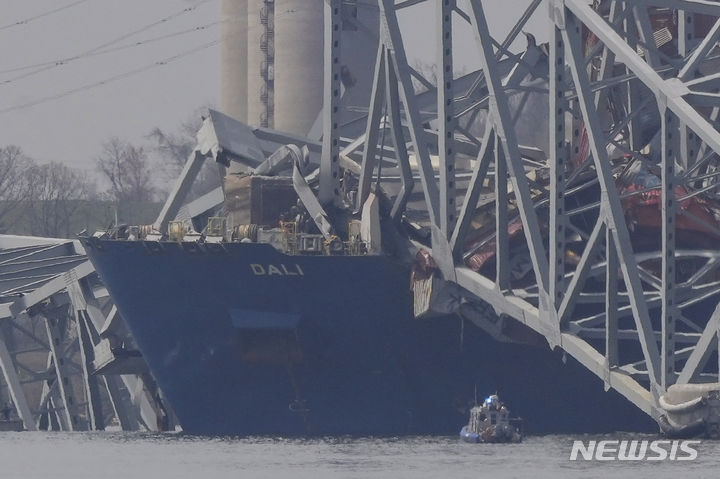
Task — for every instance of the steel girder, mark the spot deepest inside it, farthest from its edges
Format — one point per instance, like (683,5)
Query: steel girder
(573,186)
(51,318)
(330,171)
(635,310)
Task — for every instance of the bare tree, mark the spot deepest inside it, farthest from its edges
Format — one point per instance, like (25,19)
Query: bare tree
(175,148)
(127,168)
(56,194)
(13,187)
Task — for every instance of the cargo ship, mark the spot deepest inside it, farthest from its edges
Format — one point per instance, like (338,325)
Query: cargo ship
(260,313)
(252,322)
(246,340)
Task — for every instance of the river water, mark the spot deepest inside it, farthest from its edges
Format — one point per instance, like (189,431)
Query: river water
(175,456)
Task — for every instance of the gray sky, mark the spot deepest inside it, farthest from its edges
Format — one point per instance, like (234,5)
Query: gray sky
(71,129)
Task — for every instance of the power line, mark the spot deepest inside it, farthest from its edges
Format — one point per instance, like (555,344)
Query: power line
(65,61)
(105,45)
(112,79)
(120,76)
(42,15)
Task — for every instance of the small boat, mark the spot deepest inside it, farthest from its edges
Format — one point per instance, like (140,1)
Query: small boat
(491,423)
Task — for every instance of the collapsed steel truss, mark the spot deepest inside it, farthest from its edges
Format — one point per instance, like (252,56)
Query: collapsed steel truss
(601,234)
(628,313)
(60,344)
(544,233)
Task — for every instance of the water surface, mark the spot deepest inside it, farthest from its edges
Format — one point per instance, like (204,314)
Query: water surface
(106,455)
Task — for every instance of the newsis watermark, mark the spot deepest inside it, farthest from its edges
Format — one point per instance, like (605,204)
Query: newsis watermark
(634,450)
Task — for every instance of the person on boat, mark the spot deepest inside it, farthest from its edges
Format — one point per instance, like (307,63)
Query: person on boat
(493,402)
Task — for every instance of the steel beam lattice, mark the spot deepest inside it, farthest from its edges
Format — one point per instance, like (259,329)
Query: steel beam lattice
(571,186)
(55,318)
(597,234)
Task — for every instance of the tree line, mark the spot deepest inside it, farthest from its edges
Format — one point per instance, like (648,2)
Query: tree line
(129,184)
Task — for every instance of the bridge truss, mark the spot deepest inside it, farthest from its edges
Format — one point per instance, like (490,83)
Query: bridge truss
(603,235)
(67,360)
(572,186)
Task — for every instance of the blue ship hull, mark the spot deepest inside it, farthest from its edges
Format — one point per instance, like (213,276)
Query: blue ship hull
(245,340)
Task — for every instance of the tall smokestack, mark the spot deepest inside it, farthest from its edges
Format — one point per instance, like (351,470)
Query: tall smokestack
(272,61)
(234,76)
(299,30)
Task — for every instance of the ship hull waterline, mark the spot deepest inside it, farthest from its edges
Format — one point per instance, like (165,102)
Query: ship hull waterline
(245,340)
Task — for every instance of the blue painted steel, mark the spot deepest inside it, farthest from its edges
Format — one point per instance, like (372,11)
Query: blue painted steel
(252,319)
(355,362)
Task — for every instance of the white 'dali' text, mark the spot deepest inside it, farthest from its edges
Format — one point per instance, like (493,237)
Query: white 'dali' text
(276,270)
